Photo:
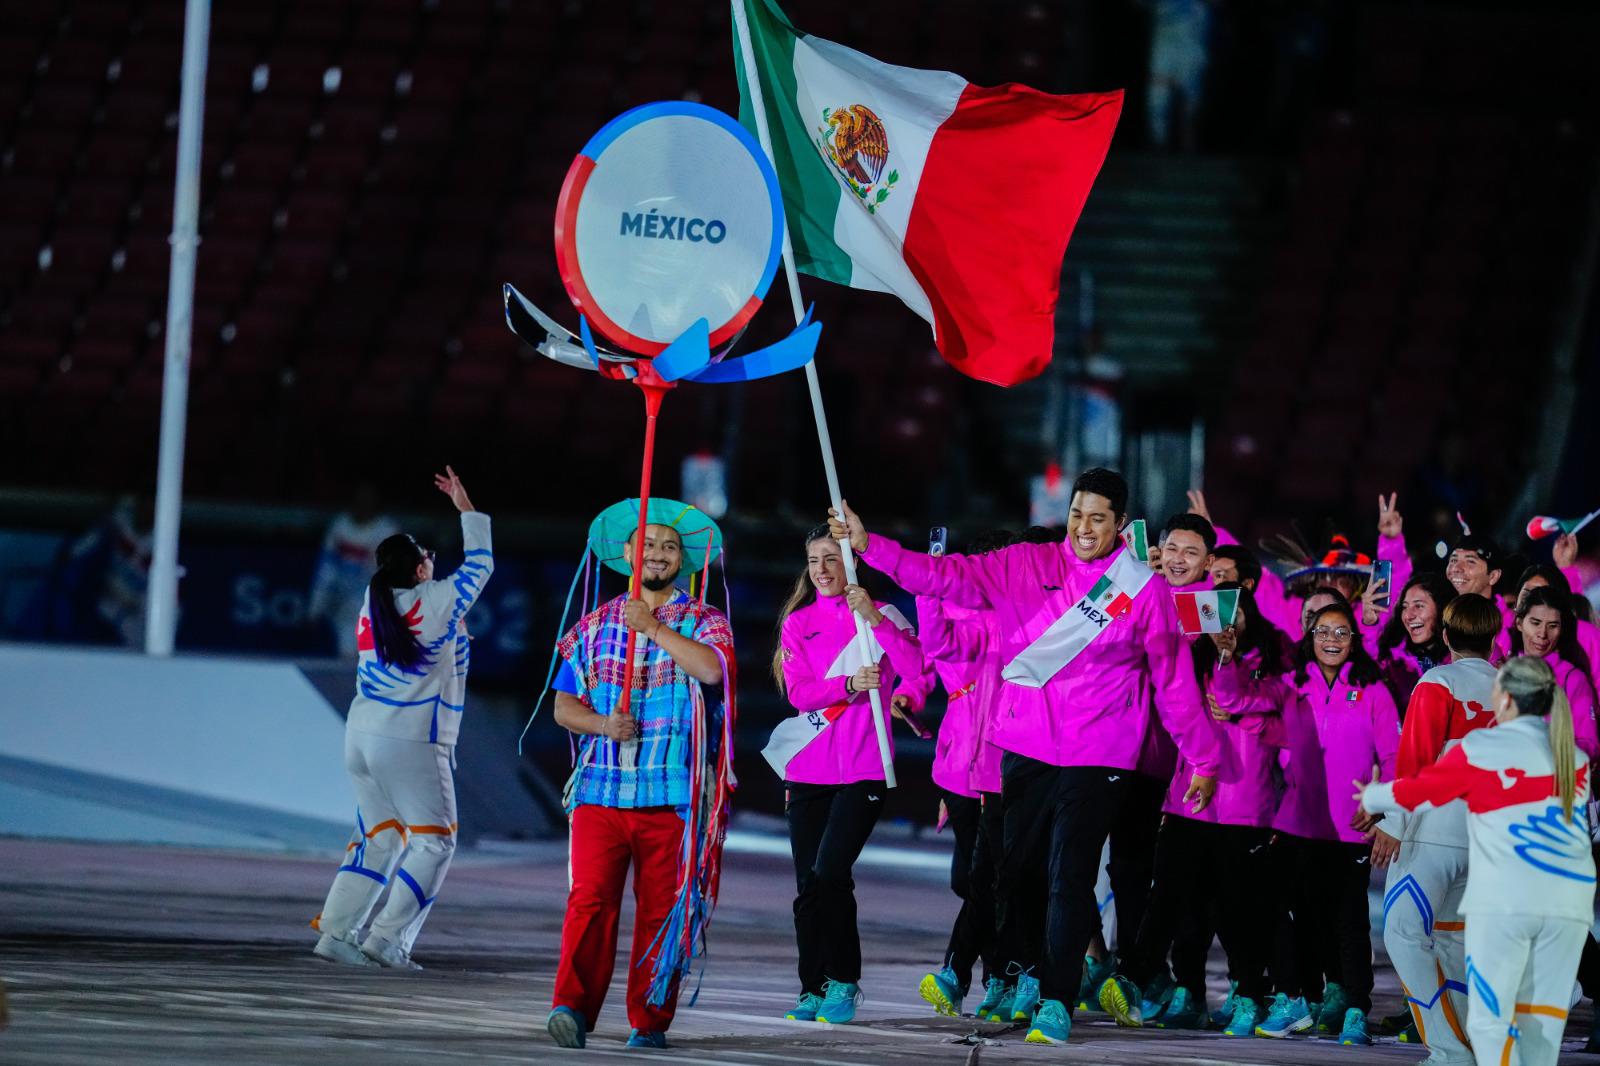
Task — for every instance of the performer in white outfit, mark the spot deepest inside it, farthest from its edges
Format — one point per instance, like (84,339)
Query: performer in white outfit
(411,682)
(1422,927)
(1530,887)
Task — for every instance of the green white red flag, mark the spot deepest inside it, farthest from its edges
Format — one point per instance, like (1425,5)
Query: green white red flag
(1206,612)
(958,199)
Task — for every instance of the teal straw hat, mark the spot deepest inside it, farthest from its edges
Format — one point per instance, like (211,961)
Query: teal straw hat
(609,532)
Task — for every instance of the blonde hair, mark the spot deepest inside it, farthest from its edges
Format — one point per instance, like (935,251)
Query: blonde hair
(1532,686)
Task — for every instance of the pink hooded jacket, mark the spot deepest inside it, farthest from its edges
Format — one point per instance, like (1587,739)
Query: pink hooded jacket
(1096,710)
(1333,735)
(812,639)
(1247,786)
(960,643)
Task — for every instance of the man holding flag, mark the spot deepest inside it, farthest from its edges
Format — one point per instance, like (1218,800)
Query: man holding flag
(1088,640)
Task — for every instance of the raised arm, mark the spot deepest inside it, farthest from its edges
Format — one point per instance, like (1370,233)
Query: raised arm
(1452,777)
(968,581)
(457,593)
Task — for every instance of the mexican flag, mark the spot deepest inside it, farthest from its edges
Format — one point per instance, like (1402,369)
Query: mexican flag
(1206,612)
(958,199)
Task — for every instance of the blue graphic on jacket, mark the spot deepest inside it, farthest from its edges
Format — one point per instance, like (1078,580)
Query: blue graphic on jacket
(1550,838)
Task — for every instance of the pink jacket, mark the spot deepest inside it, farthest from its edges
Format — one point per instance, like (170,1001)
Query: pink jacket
(812,639)
(960,643)
(1333,735)
(1096,710)
(1581,695)
(1247,785)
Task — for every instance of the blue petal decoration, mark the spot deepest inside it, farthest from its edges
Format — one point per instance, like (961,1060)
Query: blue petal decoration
(686,355)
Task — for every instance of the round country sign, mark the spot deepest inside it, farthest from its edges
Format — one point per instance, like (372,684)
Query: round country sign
(671,213)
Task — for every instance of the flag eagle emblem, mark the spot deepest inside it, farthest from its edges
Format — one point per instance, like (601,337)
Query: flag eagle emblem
(854,141)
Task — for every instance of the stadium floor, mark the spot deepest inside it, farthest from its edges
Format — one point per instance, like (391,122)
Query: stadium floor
(145,955)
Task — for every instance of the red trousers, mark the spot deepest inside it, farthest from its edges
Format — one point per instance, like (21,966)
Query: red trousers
(603,841)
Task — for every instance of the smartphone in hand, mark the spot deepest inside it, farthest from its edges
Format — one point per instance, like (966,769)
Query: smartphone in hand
(936,540)
(1383,570)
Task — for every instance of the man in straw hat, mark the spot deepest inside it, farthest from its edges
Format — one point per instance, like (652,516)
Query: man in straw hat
(641,790)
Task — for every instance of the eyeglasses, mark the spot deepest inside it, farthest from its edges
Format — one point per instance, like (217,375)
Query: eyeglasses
(1340,633)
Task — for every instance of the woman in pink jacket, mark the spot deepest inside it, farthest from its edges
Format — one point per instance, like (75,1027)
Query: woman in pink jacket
(1341,724)
(834,783)
(1217,859)
(1547,628)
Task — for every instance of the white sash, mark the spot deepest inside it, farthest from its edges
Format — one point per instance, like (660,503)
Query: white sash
(1110,597)
(793,735)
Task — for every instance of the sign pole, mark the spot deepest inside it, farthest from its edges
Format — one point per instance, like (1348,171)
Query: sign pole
(813,385)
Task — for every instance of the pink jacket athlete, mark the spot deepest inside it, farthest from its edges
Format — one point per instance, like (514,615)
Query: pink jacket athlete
(1250,738)
(1095,713)
(961,645)
(814,638)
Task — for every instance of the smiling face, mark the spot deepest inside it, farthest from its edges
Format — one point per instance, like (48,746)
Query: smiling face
(663,556)
(1468,572)
(1332,639)
(825,567)
(1092,526)
(1541,630)
(1419,615)
(1184,558)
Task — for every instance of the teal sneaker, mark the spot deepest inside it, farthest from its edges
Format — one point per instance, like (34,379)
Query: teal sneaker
(1224,1014)
(1026,999)
(943,991)
(839,1002)
(566,1027)
(994,990)
(1354,1031)
(1096,972)
(1286,1017)
(1245,1016)
(1330,1016)
(1119,997)
(1051,1024)
(1186,1011)
(1156,998)
(805,1008)
(1001,1011)
(648,1038)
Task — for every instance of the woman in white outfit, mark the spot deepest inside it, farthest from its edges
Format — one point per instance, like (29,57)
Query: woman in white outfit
(1530,875)
(411,681)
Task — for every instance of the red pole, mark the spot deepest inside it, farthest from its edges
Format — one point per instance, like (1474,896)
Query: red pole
(654,392)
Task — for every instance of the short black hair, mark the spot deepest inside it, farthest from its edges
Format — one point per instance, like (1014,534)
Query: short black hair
(1244,561)
(1193,523)
(1483,547)
(1107,483)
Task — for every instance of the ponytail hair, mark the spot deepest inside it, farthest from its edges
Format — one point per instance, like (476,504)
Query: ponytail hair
(1532,686)
(398,558)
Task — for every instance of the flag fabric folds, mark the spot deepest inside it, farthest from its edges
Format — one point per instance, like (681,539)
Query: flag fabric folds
(958,199)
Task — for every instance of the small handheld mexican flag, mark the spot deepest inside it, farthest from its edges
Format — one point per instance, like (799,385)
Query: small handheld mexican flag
(1137,540)
(1206,612)
(1542,526)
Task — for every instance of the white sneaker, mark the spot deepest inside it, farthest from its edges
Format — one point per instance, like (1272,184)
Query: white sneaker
(388,954)
(334,949)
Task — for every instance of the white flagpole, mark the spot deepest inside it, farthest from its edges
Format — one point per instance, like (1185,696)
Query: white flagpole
(752,79)
(161,619)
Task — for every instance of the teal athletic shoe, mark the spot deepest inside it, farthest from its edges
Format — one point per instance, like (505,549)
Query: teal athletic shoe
(994,990)
(943,991)
(1002,1010)
(1119,997)
(1245,1016)
(1224,1014)
(1286,1017)
(1026,1001)
(648,1038)
(805,1008)
(1354,1031)
(1155,999)
(1184,1012)
(1330,1018)
(1095,974)
(566,1027)
(839,1002)
(1051,1024)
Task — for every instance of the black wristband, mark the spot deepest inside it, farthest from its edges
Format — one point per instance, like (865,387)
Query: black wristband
(850,685)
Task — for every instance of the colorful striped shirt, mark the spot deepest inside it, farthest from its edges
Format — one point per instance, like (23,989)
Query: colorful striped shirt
(651,770)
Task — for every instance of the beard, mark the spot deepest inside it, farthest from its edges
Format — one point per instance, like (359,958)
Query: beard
(656,584)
